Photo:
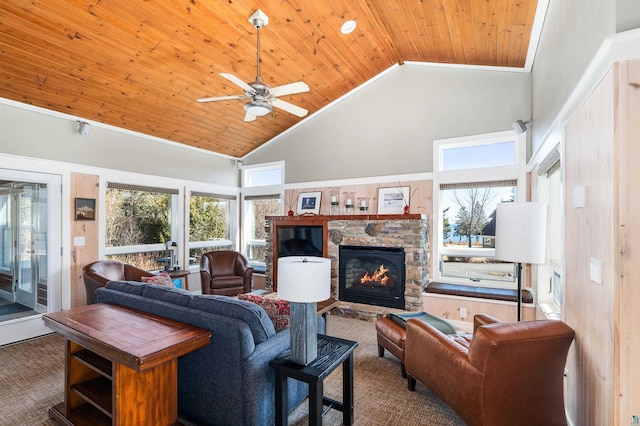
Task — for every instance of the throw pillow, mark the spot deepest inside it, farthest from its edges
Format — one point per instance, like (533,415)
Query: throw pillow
(277,309)
(440,324)
(163,279)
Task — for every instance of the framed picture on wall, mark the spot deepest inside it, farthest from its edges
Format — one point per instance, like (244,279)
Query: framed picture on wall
(309,202)
(393,200)
(85,209)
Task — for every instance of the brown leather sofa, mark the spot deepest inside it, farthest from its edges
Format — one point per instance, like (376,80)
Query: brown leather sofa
(225,273)
(506,374)
(97,274)
(392,336)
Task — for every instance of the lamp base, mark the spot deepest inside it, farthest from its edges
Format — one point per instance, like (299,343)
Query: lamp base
(304,332)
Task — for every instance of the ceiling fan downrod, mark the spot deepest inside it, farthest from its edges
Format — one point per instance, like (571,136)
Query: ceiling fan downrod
(259,20)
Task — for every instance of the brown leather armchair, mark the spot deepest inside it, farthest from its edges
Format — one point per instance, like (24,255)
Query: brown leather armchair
(506,374)
(97,274)
(225,272)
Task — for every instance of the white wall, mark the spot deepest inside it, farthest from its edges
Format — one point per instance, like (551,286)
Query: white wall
(572,33)
(388,127)
(627,15)
(33,132)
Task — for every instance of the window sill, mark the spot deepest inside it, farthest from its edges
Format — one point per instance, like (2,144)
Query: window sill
(507,295)
(551,310)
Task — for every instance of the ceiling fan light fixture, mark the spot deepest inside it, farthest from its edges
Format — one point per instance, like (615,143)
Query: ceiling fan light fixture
(348,27)
(257,108)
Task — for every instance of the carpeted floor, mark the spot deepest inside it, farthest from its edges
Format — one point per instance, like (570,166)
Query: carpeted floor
(32,374)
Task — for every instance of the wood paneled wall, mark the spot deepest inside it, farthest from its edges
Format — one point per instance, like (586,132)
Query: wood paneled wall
(628,230)
(420,199)
(602,155)
(448,307)
(82,186)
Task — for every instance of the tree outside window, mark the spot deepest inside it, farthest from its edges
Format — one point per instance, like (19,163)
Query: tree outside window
(257,209)
(134,218)
(209,225)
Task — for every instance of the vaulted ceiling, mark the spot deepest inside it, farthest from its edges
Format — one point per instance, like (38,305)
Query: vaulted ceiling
(141,65)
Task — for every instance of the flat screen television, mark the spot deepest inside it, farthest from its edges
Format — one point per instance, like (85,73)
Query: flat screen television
(300,240)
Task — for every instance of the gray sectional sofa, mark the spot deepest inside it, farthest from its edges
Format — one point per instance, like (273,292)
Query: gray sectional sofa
(228,382)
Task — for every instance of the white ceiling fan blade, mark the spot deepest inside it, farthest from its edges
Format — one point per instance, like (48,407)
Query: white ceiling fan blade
(293,109)
(235,80)
(222,98)
(249,117)
(289,89)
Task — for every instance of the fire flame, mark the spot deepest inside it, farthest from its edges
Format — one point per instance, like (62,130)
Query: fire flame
(379,276)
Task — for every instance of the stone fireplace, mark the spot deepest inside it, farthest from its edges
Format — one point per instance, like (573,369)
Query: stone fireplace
(406,232)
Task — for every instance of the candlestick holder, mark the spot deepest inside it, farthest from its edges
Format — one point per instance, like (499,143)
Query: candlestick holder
(363,205)
(349,201)
(334,197)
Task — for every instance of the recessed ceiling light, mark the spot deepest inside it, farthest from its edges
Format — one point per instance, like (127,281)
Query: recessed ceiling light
(348,27)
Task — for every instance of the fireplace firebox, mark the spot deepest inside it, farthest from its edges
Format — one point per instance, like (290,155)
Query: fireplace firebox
(372,275)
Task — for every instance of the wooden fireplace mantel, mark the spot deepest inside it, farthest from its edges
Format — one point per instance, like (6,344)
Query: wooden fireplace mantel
(326,218)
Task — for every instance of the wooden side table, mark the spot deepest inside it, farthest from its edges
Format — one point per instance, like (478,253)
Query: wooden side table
(182,274)
(332,351)
(121,365)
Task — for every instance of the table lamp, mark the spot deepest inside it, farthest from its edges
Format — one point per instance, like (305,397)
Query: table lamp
(521,229)
(303,281)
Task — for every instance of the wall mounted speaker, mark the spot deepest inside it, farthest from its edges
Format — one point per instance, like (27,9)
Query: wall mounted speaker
(84,129)
(520,126)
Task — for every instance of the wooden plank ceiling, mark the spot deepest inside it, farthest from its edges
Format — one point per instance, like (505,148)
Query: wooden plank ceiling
(141,65)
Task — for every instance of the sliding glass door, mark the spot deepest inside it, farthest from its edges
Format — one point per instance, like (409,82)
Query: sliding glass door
(30,261)
(24,243)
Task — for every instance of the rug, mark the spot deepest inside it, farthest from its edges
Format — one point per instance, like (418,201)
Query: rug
(32,376)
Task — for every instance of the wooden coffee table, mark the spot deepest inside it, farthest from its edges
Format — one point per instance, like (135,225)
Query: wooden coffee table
(121,365)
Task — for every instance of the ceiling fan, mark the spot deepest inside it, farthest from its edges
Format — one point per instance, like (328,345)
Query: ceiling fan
(262,97)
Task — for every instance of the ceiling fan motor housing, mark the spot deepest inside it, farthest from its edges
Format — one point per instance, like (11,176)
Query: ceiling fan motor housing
(259,19)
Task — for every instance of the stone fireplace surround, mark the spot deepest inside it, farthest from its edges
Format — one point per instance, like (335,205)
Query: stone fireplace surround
(408,231)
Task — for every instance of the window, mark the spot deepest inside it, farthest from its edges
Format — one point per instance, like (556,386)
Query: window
(263,188)
(256,209)
(471,176)
(550,282)
(262,175)
(139,224)
(209,224)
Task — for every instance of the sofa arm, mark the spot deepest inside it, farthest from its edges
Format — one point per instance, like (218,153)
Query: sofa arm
(483,319)
(247,279)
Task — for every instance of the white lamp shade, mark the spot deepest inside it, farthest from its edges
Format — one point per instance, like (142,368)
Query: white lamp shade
(521,230)
(304,279)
